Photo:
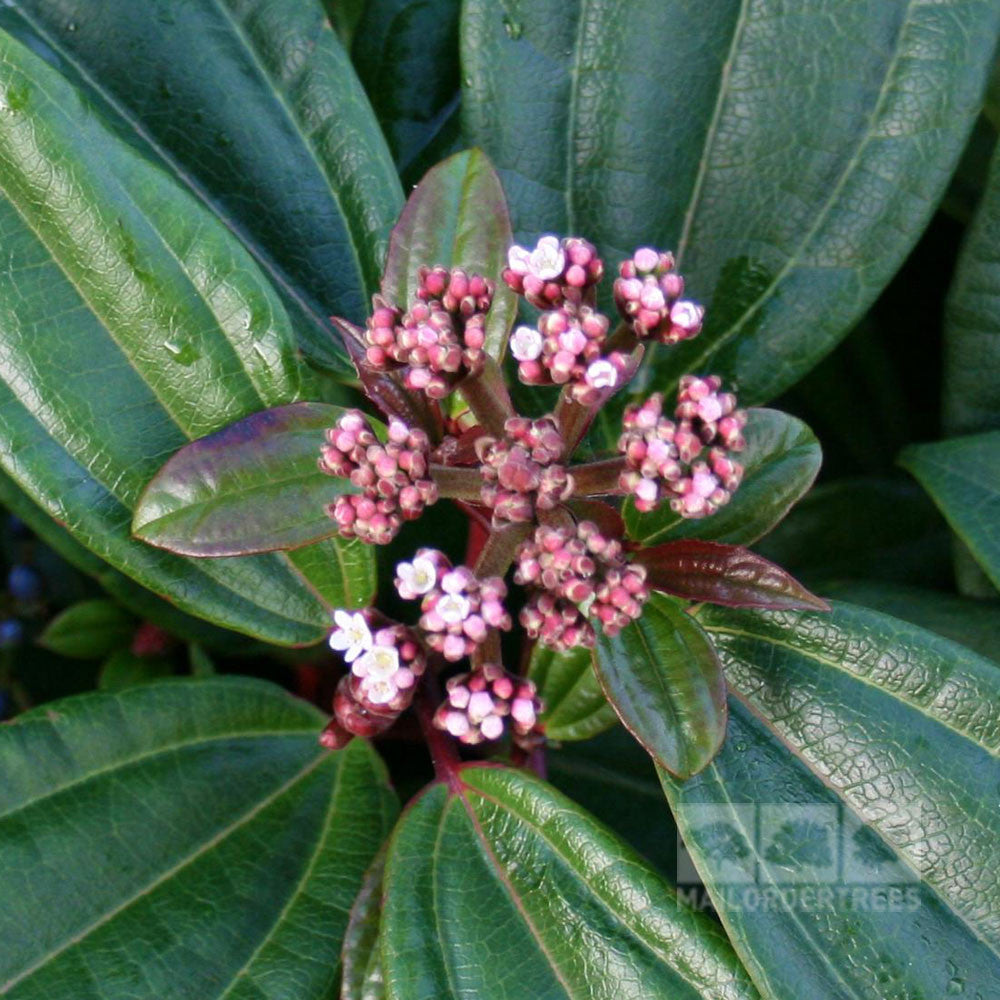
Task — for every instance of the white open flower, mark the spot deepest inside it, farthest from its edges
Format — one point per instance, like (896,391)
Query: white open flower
(519,259)
(453,609)
(416,578)
(547,260)
(352,636)
(380,662)
(379,690)
(687,315)
(526,343)
(601,374)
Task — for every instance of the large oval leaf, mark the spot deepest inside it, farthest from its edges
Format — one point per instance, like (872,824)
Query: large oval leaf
(972,322)
(503,889)
(664,680)
(781,461)
(131,322)
(253,108)
(857,794)
(254,486)
(963,478)
(456,217)
(181,839)
(700,128)
(575,706)
(406,55)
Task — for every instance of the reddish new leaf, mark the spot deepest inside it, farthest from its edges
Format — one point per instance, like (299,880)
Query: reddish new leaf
(255,486)
(724,574)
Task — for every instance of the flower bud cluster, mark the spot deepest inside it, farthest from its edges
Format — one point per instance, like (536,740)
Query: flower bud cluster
(522,472)
(457,608)
(648,294)
(577,574)
(478,705)
(440,339)
(385,664)
(688,460)
(566,348)
(554,272)
(393,477)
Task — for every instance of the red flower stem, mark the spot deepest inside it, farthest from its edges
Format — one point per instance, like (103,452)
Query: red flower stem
(498,552)
(457,482)
(474,513)
(444,756)
(574,420)
(597,478)
(488,398)
(622,339)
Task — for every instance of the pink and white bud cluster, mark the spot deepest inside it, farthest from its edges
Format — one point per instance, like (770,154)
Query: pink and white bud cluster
(480,703)
(440,339)
(554,272)
(385,663)
(577,570)
(689,460)
(567,348)
(522,472)
(648,294)
(392,477)
(457,608)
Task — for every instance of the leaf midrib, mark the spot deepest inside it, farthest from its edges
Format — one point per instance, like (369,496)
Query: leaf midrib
(792,262)
(190,858)
(608,908)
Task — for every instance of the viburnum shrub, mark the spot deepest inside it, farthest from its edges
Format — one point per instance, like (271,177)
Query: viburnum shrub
(538,516)
(402,372)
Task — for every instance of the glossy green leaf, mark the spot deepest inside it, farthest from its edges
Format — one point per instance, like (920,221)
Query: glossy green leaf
(963,478)
(406,55)
(972,322)
(696,570)
(125,669)
(880,528)
(612,777)
(132,322)
(502,889)
(973,623)
(456,217)
(575,706)
(361,959)
(861,764)
(254,108)
(781,461)
(790,153)
(181,839)
(254,486)
(665,682)
(88,630)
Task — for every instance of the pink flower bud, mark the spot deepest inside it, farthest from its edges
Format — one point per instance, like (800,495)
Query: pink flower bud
(480,704)
(392,477)
(663,458)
